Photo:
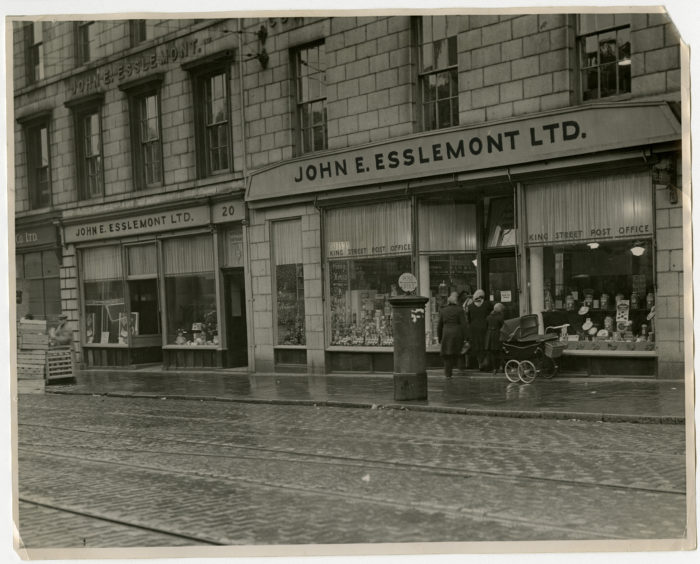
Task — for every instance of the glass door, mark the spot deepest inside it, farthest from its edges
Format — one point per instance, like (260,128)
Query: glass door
(501,281)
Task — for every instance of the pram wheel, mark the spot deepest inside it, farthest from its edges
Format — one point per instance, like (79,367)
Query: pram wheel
(549,368)
(527,371)
(512,371)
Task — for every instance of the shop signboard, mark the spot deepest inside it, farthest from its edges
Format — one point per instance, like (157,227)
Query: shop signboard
(138,224)
(35,236)
(498,145)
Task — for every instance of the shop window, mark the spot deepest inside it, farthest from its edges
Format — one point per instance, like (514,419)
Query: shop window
(144,109)
(447,243)
(34,45)
(85,34)
(605,287)
(212,100)
(438,82)
(289,282)
(190,291)
(87,123)
(500,227)
(310,82)
(144,318)
(368,248)
(590,256)
(38,163)
(37,278)
(604,55)
(106,319)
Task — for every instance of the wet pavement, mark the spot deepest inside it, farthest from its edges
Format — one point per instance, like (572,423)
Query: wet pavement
(596,399)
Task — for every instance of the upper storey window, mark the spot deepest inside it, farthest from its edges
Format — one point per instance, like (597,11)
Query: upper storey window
(141,30)
(604,55)
(85,33)
(310,82)
(35,51)
(437,77)
(212,108)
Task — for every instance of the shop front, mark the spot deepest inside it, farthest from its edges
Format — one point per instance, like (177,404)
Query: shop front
(164,285)
(37,268)
(554,215)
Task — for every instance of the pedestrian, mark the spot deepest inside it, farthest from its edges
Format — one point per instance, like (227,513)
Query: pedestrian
(477,312)
(452,327)
(464,299)
(494,323)
(62,335)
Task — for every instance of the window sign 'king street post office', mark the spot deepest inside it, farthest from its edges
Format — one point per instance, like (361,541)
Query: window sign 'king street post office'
(155,222)
(551,135)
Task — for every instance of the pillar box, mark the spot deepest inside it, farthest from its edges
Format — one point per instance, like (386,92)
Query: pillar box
(408,327)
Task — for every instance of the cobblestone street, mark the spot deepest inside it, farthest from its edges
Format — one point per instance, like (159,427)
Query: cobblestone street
(108,472)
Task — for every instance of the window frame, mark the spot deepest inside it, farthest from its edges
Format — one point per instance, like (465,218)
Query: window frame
(300,102)
(138,91)
(83,51)
(34,53)
(82,108)
(423,75)
(138,31)
(201,71)
(583,68)
(31,126)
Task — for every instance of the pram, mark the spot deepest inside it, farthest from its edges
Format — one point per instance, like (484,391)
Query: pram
(529,353)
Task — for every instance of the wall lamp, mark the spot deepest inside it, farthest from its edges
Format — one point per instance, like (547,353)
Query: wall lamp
(638,249)
(593,245)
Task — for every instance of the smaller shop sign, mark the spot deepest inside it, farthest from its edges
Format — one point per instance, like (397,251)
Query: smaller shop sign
(337,249)
(602,233)
(35,236)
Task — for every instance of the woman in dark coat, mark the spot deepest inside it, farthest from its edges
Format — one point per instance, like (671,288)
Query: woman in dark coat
(477,312)
(452,330)
(494,323)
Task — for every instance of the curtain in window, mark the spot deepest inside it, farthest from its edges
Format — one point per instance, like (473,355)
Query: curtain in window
(142,260)
(374,229)
(446,226)
(102,263)
(286,240)
(188,255)
(232,242)
(589,208)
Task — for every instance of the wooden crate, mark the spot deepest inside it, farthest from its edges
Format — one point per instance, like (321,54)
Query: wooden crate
(31,364)
(59,364)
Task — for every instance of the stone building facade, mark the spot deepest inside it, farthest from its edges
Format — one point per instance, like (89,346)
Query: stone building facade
(145,142)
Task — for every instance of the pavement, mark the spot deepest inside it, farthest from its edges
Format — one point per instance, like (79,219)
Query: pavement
(637,400)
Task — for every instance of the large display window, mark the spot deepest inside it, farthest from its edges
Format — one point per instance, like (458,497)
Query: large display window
(190,291)
(447,235)
(103,290)
(591,262)
(605,291)
(368,248)
(289,281)
(38,285)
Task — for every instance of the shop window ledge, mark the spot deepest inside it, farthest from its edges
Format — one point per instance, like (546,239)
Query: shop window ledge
(608,352)
(359,348)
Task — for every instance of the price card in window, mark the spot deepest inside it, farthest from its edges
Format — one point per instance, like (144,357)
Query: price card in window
(505,296)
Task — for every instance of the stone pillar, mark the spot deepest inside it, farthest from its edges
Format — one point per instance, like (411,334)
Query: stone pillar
(408,326)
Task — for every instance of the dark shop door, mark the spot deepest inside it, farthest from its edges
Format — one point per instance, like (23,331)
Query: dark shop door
(501,276)
(236,330)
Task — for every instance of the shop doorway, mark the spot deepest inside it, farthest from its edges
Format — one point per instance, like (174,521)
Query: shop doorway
(500,274)
(236,328)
